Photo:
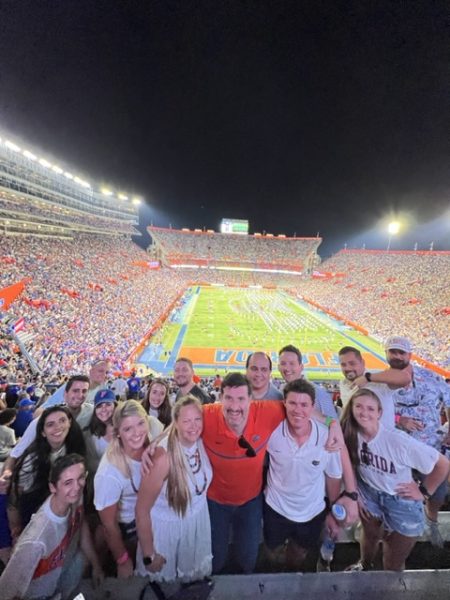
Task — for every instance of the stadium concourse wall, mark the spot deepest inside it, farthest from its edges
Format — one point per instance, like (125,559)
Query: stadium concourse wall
(415,357)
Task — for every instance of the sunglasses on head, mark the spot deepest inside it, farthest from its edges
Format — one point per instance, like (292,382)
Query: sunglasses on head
(249,450)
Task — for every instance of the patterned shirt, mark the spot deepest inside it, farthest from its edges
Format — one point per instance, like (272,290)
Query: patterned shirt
(423,400)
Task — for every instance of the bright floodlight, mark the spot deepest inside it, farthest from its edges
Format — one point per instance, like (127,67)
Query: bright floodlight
(394,227)
(106,192)
(44,163)
(12,146)
(136,201)
(123,197)
(29,155)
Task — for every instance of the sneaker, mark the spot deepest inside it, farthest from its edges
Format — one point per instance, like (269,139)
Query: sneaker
(433,533)
(359,566)
(323,566)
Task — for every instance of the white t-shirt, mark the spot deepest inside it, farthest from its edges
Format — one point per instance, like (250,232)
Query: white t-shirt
(7,440)
(119,386)
(391,455)
(384,393)
(112,487)
(41,550)
(296,479)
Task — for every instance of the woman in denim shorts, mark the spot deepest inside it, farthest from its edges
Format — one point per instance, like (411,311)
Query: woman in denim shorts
(390,501)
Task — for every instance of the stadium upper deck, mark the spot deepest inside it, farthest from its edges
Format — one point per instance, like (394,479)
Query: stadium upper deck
(218,250)
(405,292)
(38,195)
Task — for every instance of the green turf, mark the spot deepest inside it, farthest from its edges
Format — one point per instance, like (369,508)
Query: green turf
(254,319)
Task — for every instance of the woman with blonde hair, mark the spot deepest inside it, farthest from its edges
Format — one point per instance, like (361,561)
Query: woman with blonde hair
(118,478)
(171,512)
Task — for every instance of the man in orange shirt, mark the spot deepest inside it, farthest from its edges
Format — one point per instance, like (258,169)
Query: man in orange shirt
(235,434)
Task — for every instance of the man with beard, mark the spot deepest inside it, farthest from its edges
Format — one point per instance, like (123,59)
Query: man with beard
(235,434)
(183,375)
(418,410)
(382,383)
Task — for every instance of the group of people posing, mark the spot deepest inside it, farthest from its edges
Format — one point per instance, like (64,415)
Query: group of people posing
(160,490)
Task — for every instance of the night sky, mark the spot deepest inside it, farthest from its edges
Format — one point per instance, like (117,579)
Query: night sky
(302,117)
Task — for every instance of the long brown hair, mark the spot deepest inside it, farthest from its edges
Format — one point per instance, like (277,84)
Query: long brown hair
(165,410)
(350,426)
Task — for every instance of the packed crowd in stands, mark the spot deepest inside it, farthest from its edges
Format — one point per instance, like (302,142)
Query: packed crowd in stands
(225,248)
(82,298)
(11,208)
(382,291)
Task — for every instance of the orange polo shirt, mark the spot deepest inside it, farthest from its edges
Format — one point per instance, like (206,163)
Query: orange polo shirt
(237,478)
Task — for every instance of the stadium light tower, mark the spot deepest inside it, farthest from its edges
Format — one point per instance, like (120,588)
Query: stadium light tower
(393,229)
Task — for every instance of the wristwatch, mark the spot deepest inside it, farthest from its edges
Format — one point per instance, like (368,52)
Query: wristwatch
(147,560)
(352,495)
(425,493)
(368,376)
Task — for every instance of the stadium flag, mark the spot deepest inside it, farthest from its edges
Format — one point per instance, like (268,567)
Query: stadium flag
(18,325)
(10,293)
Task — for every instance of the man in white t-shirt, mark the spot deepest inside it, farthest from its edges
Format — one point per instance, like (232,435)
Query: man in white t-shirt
(301,474)
(119,386)
(381,383)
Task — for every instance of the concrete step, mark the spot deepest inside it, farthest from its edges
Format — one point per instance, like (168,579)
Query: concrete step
(408,585)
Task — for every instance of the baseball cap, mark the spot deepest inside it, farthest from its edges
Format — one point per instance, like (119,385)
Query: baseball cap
(26,402)
(397,342)
(104,396)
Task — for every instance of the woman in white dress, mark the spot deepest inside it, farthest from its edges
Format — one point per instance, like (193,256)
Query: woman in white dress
(171,512)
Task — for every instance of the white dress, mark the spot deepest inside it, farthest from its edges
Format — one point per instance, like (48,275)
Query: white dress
(185,542)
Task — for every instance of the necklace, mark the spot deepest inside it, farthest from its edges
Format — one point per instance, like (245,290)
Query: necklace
(194,462)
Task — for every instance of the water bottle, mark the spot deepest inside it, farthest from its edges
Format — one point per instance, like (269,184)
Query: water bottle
(327,549)
(338,512)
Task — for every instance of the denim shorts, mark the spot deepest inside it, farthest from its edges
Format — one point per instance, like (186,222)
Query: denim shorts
(397,514)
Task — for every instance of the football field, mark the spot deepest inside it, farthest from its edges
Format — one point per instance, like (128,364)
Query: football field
(218,327)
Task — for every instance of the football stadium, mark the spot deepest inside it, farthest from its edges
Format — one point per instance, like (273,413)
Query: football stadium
(77,290)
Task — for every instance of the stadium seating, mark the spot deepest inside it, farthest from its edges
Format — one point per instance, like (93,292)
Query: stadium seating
(90,297)
(385,292)
(233,250)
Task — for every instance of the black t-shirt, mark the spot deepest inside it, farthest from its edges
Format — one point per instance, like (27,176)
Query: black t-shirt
(198,393)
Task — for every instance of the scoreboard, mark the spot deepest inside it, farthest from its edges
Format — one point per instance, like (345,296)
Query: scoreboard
(234,226)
